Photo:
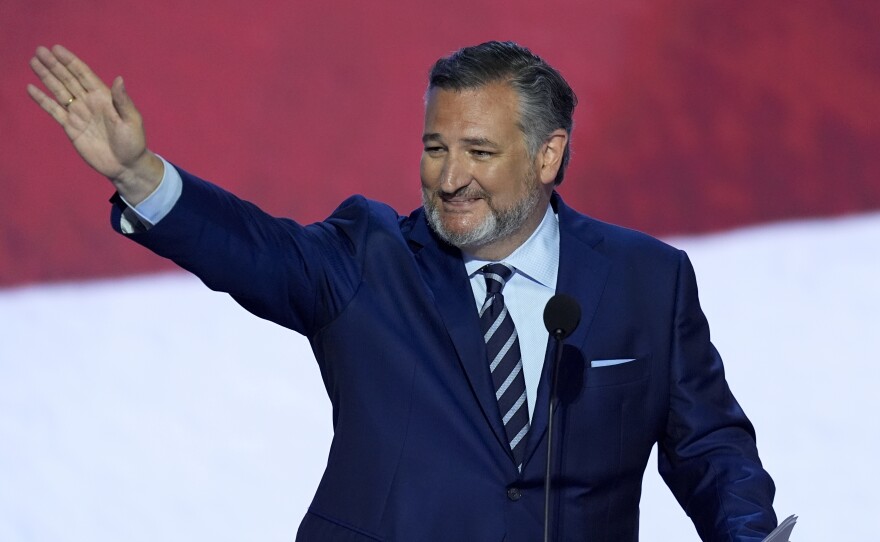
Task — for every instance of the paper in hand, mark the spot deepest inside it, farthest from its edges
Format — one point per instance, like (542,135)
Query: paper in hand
(781,533)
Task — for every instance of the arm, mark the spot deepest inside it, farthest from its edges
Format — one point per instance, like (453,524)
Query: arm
(102,123)
(708,455)
(296,276)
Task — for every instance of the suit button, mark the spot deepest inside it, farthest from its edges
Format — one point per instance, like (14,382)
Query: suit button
(513,493)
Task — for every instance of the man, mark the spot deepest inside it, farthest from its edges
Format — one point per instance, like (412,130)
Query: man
(431,352)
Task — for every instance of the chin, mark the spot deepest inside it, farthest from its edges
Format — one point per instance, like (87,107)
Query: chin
(459,226)
(466,233)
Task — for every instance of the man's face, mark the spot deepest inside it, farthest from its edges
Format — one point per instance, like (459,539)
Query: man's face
(480,189)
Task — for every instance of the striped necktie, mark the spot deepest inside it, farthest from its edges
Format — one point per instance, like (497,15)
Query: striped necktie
(505,360)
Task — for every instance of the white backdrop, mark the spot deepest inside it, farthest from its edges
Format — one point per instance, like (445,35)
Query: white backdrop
(152,409)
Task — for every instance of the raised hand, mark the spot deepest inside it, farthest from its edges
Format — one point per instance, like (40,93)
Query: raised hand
(102,123)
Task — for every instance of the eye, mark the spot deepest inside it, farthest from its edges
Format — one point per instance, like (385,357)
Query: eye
(480,153)
(433,149)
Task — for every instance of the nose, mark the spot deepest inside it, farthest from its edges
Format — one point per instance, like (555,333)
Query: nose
(454,174)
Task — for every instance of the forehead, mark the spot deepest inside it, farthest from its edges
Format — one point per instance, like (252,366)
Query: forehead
(492,108)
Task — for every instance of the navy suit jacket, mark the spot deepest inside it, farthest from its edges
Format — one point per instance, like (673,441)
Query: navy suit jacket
(419,450)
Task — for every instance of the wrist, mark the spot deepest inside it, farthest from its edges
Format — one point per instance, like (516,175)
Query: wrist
(137,182)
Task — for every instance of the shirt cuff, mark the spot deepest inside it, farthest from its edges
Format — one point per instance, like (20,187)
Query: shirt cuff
(146,214)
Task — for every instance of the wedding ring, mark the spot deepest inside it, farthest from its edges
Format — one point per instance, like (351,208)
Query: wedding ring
(69,101)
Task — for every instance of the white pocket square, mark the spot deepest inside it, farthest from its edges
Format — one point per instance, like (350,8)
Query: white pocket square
(609,362)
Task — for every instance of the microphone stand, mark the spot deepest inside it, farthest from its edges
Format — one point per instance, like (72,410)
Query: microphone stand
(558,334)
(561,316)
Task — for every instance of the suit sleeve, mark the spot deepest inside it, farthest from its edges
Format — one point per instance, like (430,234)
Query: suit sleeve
(298,276)
(708,456)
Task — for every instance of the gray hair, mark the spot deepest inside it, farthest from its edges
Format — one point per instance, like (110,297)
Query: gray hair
(546,101)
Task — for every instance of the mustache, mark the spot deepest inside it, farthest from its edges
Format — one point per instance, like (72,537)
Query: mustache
(465,192)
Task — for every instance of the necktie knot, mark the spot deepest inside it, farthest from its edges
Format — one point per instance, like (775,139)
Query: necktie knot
(497,275)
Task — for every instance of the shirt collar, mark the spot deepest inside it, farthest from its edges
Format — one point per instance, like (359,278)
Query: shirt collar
(537,258)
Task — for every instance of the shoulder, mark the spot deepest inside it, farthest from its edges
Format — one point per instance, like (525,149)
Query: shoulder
(367,224)
(378,216)
(615,241)
(363,208)
(360,214)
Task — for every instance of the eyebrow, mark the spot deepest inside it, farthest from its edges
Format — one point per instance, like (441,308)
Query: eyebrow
(475,141)
(479,142)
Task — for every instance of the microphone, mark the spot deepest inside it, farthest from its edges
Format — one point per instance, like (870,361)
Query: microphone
(561,316)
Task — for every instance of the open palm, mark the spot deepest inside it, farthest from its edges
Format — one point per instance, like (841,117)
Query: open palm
(102,123)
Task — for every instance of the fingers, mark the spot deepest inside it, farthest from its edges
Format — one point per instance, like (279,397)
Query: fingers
(122,101)
(60,73)
(48,104)
(65,75)
(38,64)
(84,76)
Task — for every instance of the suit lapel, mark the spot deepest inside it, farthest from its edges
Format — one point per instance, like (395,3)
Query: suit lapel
(443,270)
(583,272)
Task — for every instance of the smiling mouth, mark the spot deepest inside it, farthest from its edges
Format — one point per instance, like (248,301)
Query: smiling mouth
(459,200)
(461,196)
(459,204)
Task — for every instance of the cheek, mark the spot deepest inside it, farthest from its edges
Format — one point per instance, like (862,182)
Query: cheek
(501,183)
(426,172)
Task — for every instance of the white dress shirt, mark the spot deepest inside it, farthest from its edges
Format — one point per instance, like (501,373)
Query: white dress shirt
(536,265)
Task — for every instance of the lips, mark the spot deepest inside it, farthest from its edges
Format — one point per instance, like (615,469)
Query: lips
(461,197)
(459,204)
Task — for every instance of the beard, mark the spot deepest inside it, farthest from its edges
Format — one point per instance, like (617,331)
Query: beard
(497,224)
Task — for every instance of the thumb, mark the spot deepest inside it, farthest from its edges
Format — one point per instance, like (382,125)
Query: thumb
(122,101)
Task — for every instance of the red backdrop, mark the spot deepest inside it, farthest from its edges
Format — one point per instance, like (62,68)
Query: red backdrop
(694,115)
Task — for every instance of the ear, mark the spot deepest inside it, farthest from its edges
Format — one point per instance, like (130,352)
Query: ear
(549,158)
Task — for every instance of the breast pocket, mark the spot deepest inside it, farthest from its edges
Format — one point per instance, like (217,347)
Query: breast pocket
(617,370)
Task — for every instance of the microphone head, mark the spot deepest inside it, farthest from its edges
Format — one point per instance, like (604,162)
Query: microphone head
(562,315)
